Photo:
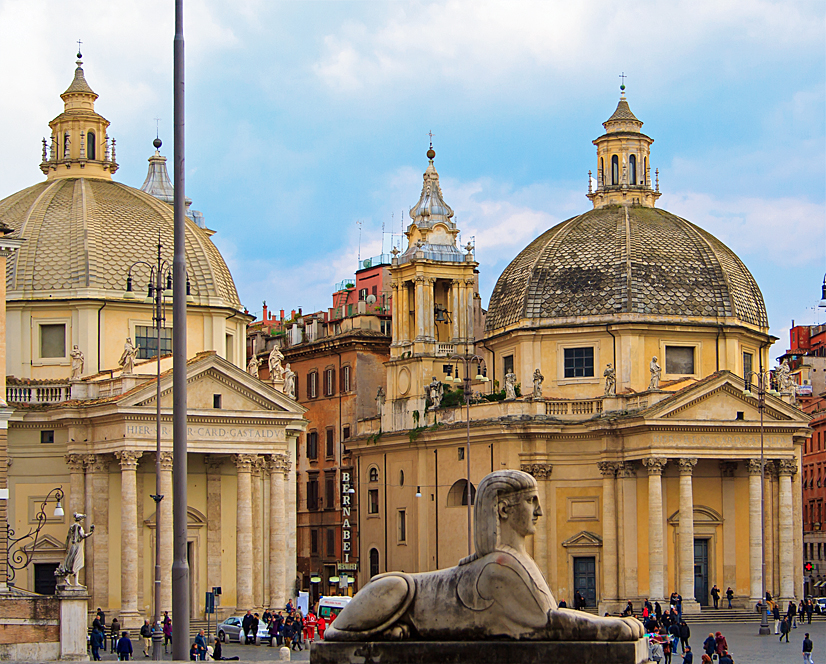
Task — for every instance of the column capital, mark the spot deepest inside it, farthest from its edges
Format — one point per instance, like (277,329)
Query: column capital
(540,471)
(244,462)
(470,282)
(728,468)
(128,459)
(96,463)
(419,279)
(772,470)
(655,465)
(431,280)
(76,462)
(278,463)
(687,465)
(166,461)
(626,469)
(753,466)
(786,467)
(608,468)
(213,463)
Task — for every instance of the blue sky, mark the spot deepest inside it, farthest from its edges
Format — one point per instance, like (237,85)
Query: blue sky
(305,117)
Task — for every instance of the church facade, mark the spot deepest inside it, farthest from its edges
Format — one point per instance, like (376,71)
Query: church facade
(85,374)
(625,339)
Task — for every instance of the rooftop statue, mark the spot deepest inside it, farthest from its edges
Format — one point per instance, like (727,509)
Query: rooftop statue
(496,593)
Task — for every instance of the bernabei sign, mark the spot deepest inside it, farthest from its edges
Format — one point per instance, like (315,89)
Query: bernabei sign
(346,527)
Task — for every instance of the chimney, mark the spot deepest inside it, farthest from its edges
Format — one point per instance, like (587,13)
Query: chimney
(299,312)
(292,315)
(264,315)
(282,314)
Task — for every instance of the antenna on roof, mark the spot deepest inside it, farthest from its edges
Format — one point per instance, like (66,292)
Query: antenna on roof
(359,223)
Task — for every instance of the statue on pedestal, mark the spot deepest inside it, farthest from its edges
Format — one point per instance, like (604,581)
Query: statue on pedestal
(656,372)
(784,378)
(610,380)
(253,365)
(75,559)
(510,386)
(496,593)
(276,369)
(538,379)
(127,359)
(289,381)
(380,399)
(435,391)
(77,363)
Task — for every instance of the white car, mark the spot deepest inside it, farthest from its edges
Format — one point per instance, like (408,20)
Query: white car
(230,630)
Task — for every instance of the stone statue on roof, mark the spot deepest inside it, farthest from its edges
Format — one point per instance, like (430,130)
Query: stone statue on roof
(77,363)
(656,372)
(510,386)
(610,380)
(275,359)
(128,357)
(435,391)
(538,379)
(253,365)
(289,381)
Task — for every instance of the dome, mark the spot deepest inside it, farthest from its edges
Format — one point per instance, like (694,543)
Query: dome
(82,234)
(627,262)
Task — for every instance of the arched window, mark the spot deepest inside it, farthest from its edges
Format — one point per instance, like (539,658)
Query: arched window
(373,474)
(401,478)
(632,169)
(645,170)
(602,171)
(374,562)
(90,145)
(457,495)
(614,169)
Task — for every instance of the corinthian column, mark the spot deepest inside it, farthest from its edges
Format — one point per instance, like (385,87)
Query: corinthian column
(243,538)
(786,468)
(421,314)
(686,539)
(609,530)
(290,501)
(97,513)
(129,615)
(396,320)
(278,541)
(656,566)
(257,535)
(542,473)
(455,285)
(165,534)
(213,465)
(755,531)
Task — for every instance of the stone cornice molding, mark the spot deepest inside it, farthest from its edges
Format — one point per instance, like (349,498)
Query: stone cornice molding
(213,463)
(786,467)
(540,471)
(76,462)
(166,461)
(728,468)
(655,465)
(128,459)
(97,463)
(244,462)
(608,469)
(687,465)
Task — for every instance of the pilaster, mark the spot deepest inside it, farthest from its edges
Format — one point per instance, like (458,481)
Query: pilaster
(542,473)
(610,563)
(257,535)
(213,464)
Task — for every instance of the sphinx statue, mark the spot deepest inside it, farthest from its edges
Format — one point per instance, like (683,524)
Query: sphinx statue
(496,593)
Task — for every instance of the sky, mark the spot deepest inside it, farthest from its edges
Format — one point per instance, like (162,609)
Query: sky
(307,122)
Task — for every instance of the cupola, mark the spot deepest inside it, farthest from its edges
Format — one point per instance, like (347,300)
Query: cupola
(623,162)
(80,146)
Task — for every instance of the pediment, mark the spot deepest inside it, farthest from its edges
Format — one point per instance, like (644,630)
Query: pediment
(702,516)
(583,538)
(46,544)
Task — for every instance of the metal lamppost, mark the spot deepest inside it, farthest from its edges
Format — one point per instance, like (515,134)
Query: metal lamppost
(763,381)
(22,557)
(469,360)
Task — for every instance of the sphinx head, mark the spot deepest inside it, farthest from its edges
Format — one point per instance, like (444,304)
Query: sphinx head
(506,499)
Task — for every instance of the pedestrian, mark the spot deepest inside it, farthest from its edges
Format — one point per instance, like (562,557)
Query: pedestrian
(685,635)
(309,627)
(725,658)
(246,625)
(785,628)
(776,616)
(807,649)
(674,634)
(628,611)
(658,611)
(96,641)
(167,632)
(706,659)
(146,637)
(720,642)
(688,656)
(200,644)
(791,615)
(563,604)
(290,607)
(193,652)
(715,594)
(124,647)
(729,596)
(322,626)
(101,616)
(114,633)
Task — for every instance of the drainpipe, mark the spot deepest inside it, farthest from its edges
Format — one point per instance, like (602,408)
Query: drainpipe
(614,342)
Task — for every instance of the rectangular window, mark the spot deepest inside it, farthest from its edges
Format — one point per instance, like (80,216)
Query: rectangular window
(330,443)
(331,542)
(345,378)
(679,360)
(47,437)
(748,360)
(45,582)
(346,433)
(313,541)
(330,499)
(329,382)
(53,340)
(312,494)
(373,501)
(312,385)
(461,453)
(579,362)
(216,400)
(386,326)
(507,364)
(229,344)
(312,445)
(147,341)
(402,522)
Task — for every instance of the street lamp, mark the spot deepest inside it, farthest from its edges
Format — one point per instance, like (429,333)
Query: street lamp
(763,379)
(22,557)
(469,360)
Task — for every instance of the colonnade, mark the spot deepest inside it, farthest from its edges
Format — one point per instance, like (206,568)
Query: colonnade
(420,291)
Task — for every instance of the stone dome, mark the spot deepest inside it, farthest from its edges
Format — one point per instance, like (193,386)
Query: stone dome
(626,262)
(82,235)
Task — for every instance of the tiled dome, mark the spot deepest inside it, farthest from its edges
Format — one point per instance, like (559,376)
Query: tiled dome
(628,263)
(82,234)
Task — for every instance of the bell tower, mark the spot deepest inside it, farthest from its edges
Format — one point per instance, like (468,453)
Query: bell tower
(623,162)
(79,147)
(435,304)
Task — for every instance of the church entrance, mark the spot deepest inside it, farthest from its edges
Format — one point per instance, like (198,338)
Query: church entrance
(701,571)
(585,579)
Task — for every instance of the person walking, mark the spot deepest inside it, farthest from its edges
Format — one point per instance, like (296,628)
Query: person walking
(246,626)
(710,645)
(688,656)
(685,635)
(124,647)
(720,642)
(114,634)
(776,616)
(322,626)
(785,628)
(146,637)
(167,632)
(807,649)
(715,594)
(791,615)
(729,596)
(96,641)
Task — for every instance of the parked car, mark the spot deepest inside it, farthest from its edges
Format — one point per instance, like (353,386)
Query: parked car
(820,605)
(230,630)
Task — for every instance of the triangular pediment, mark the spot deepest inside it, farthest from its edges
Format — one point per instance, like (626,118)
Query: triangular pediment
(583,538)
(46,544)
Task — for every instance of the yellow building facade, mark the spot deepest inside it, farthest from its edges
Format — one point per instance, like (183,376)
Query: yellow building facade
(82,418)
(628,331)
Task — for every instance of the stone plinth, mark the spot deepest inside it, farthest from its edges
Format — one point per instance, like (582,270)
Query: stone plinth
(475,652)
(73,604)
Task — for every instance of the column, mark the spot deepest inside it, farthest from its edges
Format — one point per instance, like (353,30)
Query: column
(770,488)
(656,573)
(456,313)
(97,514)
(420,312)
(396,319)
(608,469)
(404,312)
(773,504)
(730,514)
(129,616)
(786,468)
(686,535)
(429,303)
(627,530)
(542,473)
(213,465)
(291,567)
(77,494)
(797,527)
(470,333)
(165,534)
(257,535)
(277,465)
(243,538)
(755,532)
